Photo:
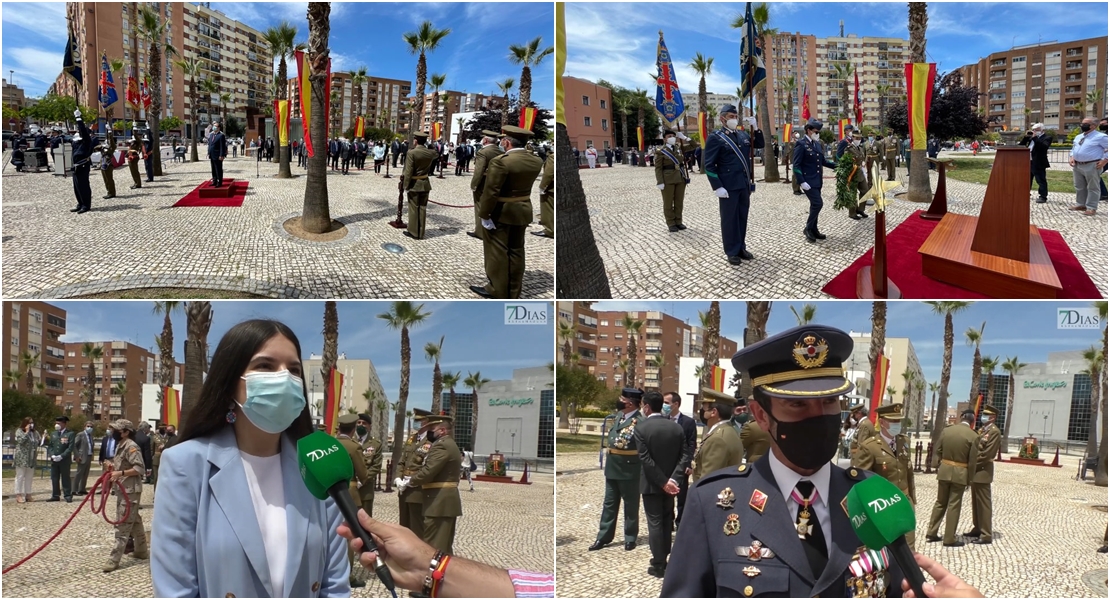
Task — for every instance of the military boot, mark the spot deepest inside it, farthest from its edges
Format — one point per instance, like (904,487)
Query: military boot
(110,566)
(142,549)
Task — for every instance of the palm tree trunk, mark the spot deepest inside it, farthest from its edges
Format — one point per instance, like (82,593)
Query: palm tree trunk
(941,418)
(1092,435)
(1100,468)
(583,274)
(755,330)
(712,350)
(421,81)
(316,216)
(525,86)
(878,332)
(474,424)
(770,167)
(403,397)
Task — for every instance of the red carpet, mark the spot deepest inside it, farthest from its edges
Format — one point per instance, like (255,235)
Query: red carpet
(904,267)
(205,195)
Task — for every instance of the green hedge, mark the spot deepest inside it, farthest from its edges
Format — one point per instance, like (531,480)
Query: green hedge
(592,413)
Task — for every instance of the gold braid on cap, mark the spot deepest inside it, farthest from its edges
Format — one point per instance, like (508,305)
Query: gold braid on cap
(833,392)
(801,374)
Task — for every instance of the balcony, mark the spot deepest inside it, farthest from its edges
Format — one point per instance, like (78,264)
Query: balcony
(1074,64)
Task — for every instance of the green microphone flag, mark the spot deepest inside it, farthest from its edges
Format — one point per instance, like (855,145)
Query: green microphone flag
(323,463)
(882,515)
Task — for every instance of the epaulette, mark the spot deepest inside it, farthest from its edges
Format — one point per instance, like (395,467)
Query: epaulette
(857,474)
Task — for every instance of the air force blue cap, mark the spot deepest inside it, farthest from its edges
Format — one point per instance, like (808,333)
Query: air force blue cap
(728,108)
(803,362)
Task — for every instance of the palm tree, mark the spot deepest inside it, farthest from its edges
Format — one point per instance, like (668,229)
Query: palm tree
(475,381)
(659,362)
(566,333)
(703,66)
(94,353)
(316,214)
(974,337)
(1012,365)
(12,377)
(1100,469)
(330,356)
(841,72)
(383,418)
(622,105)
(762,16)
(461,122)
(450,381)
(120,389)
(883,89)
(809,311)
(1093,98)
(225,98)
(528,55)
(920,187)
(282,42)
(989,364)
(711,347)
(402,315)
(371,397)
(1095,360)
(165,351)
(632,327)
(505,86)
(28,362)
(788,85)
(432,351)
(198,320)
(878,333)
(420,42)
(358,79)
(437,80)
(152,30)
(933,387)
(210,89)
(191,68)
(947,309)
(755,329)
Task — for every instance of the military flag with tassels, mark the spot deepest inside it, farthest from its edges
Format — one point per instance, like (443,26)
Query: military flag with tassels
(668,98)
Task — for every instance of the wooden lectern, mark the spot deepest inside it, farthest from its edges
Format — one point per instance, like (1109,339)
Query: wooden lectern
(998,253)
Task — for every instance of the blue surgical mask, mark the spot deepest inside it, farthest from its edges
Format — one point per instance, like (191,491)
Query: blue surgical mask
(666,410)
(274,400)
(984,419)
(895,429)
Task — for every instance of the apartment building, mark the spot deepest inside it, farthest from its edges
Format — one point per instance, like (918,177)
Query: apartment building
(589,110)
(452,103)
(384,101)
(35,329)
(121,371)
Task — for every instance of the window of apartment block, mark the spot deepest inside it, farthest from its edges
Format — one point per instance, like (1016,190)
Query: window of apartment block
(1018,59)
(605,124)
(585,100)
(586,121)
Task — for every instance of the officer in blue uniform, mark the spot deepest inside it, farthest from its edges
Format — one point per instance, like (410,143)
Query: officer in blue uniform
(808,160)
(148,154)
(727,164)
(779,526)
(82,153)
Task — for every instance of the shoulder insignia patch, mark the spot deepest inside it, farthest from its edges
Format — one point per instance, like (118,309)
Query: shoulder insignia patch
(743,469)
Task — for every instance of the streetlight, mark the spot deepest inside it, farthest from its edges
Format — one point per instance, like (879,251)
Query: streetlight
(1044,430)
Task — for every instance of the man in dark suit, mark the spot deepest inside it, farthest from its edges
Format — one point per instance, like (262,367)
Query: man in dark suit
(808,163)
(672,408)
(727,167)
(82,454)
(142,438)
(663,456)
(609,157)
(778,527)
(404,151)
(1038,144)
(395,149)
(217,152)
(333,152)
(345,152)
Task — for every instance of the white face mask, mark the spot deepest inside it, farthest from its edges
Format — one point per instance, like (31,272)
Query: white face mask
(57,427)
(855,142)
(815,136)
(670,141)
(732,123)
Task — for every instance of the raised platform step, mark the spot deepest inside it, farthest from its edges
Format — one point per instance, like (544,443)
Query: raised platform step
(231,187)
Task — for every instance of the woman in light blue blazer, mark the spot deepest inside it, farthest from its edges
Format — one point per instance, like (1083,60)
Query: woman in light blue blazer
(232,516)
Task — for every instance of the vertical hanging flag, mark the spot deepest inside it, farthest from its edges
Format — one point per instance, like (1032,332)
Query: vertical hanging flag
(171,406)
(752,70)
(132,93)
(978,410)
(919,88)
(108,95)
(878,384)
(304,91)
(640,138)
(668,98)
(144,91)
(331,401)
(805,103)
(71,62)
(703,128)
(787,132)
(527,118)
(841,126)
(281,112)
(717,378)
(859,103)
(437,128)
(358,127)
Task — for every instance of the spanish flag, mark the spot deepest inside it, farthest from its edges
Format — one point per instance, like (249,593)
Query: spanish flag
(703,128)
(331,401)
(527,118)
(878,384)
(437,128)
(840,128)
(304,88)
(171,406)
(717,378)
(919,88)
(787,132)
(281,112)
(358,127)
(640,138)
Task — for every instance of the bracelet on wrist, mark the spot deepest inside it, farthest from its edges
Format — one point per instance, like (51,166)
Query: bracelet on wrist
(435,563)
(438,575)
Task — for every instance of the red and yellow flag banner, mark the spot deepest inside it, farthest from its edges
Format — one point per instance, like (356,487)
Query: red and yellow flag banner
(787,132)
(332,395)
(878,385)
(640,138)
(805,103)
(171,407)
(304,90)
(527,118)
(281,113)
(717,378)
(703,128)
(437,128)
(919,92)
(843,123)
(359,127)
(132,94)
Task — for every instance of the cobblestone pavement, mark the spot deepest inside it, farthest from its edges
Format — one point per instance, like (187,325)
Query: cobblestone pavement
(505,525)
(137,241)
(642,257)
(1046,532)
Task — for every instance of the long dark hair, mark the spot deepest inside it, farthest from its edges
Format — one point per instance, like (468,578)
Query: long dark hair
(236,349)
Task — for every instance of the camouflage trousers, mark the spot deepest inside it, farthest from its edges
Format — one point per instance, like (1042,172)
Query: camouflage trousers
(131,528)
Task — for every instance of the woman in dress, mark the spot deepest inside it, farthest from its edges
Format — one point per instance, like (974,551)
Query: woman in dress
(26,445)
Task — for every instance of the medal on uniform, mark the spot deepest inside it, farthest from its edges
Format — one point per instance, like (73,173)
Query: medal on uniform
(758,501)
(726,498)
(756,552)
(804,528)
(750,571)
(732,525)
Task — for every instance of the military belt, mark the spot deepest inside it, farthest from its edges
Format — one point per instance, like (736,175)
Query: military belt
(953,463)
(418,177)
(514,199)
(624,452)
(440,485)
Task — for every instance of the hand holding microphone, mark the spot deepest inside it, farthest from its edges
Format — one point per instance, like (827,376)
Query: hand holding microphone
(947,586)
(882,515)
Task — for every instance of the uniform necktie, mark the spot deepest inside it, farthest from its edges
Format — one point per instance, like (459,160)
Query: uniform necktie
(809,527)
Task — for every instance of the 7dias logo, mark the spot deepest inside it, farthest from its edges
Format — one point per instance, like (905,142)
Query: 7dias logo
(1077,318)
(880,504)
(526,313)
(316,455)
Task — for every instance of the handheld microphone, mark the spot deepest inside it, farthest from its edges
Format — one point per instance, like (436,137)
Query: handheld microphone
(326,469)
(882,515)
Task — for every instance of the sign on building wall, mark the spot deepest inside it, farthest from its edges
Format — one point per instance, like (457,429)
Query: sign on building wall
(511,402)
(1046,385)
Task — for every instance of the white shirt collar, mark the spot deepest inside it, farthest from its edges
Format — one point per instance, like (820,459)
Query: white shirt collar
(658,414)
(786,479)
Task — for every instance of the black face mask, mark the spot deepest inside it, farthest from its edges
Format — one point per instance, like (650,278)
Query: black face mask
(1102,128)
(742,418)
(161,432)
(809,443)
(432,435)
(360,430)
(622,405)
(1085,127)
(117,436)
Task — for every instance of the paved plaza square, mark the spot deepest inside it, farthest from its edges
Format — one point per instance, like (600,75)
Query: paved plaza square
(136,240)
(1046,527)
(644,260)
(504,525)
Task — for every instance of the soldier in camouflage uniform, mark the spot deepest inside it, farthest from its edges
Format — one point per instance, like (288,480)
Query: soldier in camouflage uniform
(888,454)
(128,468)
(371,457)
(857,184)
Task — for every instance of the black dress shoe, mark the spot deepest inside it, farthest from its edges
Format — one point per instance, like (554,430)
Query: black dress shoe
(75,209)
(1102,549)
(799,193)
(596,546)
(481,291)
(981,541)
(932,538)
(136,187)
(855,216)
(69,498)
(1042,200)
(862,215)
(109,197)
(673,229)
(473,235)
(955,544)
(53,499)
(747,255)
(680,226)
(629,545)
(82,211)
(809,236)
(819,235)
(654,572)
(407,234)
(973,533)
(734,260)
(542,234)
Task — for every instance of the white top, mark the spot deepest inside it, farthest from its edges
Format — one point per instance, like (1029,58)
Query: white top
(787,479)
(265,482)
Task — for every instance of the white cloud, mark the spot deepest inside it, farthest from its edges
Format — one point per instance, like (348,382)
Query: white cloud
(38,17)
(34,64)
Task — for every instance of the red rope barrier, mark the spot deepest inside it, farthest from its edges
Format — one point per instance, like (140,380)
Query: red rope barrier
(105,492)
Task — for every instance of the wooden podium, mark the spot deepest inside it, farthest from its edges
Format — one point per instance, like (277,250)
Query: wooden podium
(999,253)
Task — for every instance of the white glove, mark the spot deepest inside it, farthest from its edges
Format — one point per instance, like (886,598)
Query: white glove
(77,114)
(805,186)
(681,136)
(56,458)
(661,185)
(721,192)
(488,224)
(750,121)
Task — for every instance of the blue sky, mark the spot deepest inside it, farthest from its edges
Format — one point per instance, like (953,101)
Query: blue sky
(617,41)
(476,337)
(1025,329)
(474,55)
